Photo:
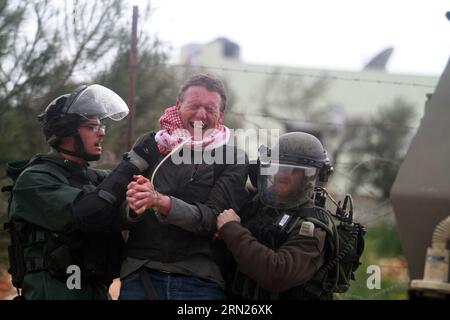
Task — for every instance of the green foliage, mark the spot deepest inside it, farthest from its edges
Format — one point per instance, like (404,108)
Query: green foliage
(382,248)
(385,241)
(380,148)
(45,44)
(295,96)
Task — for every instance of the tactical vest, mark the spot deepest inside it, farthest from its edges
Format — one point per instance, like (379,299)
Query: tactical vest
(344,246)
(59,250)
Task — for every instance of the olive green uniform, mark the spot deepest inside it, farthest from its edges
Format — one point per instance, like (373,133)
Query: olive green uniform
(51,235)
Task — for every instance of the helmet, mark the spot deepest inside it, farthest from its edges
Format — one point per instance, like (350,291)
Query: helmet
(63,116)
(287,178)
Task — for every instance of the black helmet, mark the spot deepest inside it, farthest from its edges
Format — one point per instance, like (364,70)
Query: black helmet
(63,116)
(288,172)
(56,124)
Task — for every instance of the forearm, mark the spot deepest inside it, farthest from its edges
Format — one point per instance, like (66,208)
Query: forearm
(113,188)
(94,213)
(188,216)
(292,264)
(98,210)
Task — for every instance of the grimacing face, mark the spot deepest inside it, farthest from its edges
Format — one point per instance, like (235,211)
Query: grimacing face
(200,109)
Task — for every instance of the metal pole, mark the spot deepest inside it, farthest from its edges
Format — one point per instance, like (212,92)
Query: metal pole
(132,88)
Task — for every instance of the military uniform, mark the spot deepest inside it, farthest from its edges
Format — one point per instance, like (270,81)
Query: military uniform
(282,246)
(51,235)
(273,258)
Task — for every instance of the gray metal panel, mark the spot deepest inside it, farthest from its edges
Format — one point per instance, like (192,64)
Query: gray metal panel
(421,191)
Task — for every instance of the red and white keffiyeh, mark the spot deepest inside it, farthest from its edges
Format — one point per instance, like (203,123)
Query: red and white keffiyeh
(172,133)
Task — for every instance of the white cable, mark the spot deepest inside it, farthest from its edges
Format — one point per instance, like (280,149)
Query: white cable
(155,195)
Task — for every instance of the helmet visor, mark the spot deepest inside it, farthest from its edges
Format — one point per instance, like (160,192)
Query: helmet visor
(286,185)
(99,101)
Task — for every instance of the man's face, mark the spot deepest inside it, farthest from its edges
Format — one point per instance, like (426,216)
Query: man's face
(289,183)
(92,134)
(200,109)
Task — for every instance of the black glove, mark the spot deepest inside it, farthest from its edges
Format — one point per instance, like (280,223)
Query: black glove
(95,210)
(114,187)
(144,153)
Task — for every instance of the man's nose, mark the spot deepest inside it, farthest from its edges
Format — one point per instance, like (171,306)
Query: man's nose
(101,132)
(201,113)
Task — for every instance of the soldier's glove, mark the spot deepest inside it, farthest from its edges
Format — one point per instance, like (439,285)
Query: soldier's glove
(95,210)
(114,187)
(144,153)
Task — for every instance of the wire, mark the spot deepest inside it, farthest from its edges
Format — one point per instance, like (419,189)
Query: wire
(305,75)
(152,179)
(333,124)
(181,144)
(331,198)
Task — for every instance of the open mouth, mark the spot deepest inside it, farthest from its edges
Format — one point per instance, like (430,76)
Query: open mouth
(199,125)
(98,146)
(283,180)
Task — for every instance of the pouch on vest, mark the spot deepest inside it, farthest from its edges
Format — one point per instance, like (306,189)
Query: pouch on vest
(15,255)
(58,257)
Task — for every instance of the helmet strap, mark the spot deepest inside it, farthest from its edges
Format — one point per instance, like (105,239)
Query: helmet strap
(81,152)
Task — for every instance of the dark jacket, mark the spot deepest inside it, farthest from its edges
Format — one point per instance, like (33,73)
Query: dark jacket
(41,208)
(184,241)
(270,257)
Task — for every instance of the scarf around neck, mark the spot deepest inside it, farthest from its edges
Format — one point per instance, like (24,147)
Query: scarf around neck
(172,134)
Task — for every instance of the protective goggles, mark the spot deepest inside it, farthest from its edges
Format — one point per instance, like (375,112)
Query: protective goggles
(271,168)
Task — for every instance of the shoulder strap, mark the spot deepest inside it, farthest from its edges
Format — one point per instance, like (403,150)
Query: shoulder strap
(314,212)
(320,218)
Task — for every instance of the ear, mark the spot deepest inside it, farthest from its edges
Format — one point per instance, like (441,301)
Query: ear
(178,104)
(68,143)
(221,117)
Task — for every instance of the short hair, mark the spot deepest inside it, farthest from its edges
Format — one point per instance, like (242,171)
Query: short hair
(207,81)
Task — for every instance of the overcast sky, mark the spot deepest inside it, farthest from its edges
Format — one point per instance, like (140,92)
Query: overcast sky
(328,34)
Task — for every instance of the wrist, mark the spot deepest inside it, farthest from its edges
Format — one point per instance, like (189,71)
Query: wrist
(163,203)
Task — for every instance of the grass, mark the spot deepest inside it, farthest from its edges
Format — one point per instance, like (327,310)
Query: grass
(382,249)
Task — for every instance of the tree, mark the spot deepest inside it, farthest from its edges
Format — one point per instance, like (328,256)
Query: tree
(46,48)
(380,147)
(295,96)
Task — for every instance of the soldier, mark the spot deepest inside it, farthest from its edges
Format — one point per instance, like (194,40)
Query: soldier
(61,211)
(277,252)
